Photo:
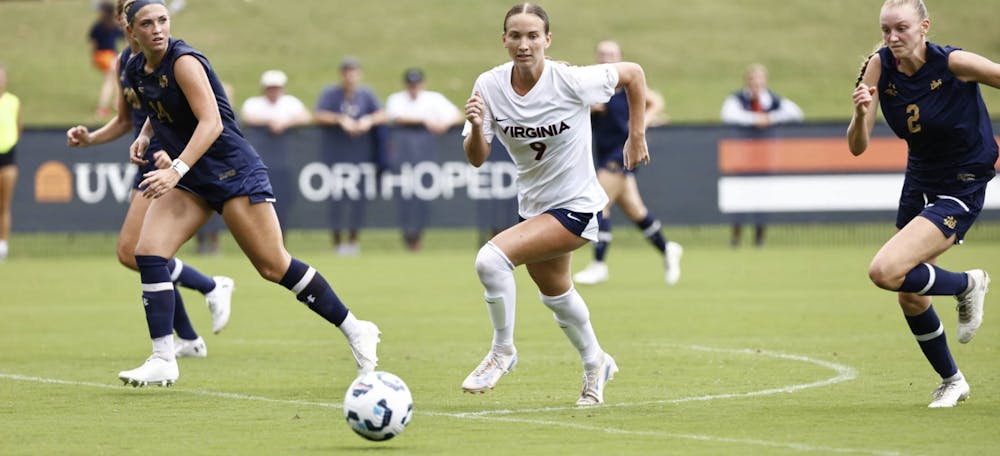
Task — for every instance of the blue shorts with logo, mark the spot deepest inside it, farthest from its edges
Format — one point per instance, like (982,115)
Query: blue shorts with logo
(953,215)
(582,224)
(254,184)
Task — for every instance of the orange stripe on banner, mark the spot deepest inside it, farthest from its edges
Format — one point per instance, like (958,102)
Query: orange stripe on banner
(804,155)
(809,155)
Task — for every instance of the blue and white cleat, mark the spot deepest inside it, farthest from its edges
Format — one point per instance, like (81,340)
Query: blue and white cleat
(594,381)
(489,371)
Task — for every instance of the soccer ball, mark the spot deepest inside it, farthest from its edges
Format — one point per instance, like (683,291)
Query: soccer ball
(378,406)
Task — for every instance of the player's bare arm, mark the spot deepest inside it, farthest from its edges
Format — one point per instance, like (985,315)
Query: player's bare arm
(632,77)
(476,148)
(865,99)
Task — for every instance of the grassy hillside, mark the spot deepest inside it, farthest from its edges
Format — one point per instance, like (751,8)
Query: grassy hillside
(693,51)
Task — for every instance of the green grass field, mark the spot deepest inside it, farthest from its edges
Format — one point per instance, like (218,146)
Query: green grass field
(694,52)
(782,350)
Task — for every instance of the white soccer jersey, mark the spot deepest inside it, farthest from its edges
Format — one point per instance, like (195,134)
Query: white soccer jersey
(547,133)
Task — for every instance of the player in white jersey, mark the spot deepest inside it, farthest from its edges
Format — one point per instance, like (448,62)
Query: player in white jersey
(540,111)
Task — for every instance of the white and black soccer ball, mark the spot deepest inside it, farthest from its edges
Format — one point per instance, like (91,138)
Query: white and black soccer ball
(378,406)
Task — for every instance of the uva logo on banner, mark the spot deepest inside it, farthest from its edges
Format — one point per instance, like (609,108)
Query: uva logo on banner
(95,181)
(92,183)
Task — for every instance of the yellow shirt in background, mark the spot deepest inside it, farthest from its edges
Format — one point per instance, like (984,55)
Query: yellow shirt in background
(9,106)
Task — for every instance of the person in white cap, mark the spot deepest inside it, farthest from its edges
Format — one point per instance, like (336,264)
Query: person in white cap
(274,109)
(271,114)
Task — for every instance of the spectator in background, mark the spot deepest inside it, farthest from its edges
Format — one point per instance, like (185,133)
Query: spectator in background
(351,115)
(10,132)
(418,118)
(757,108)
(273,113)
(610,125)
(103,37)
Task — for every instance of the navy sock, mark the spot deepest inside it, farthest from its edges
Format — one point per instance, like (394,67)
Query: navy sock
(929,332)
(189,277)
(928,279)
(603,238)
(651,229)
(182,324)
(157,295)
(311,288)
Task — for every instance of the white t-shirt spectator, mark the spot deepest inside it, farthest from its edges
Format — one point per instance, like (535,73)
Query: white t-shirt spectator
(259,110)
(428,106)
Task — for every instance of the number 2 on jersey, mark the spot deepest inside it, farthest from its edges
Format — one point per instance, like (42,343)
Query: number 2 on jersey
(913,115)
(538,147)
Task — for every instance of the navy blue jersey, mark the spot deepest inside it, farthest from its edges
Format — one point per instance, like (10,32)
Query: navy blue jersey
(230,167)
(610,128)
(173,121)
(944,121)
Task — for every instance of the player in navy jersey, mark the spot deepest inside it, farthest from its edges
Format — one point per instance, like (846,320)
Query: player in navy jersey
(217,290)
(540,111)
(610,127)
(213,168)
(929,95)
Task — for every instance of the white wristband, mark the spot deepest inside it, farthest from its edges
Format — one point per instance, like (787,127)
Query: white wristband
(179,166)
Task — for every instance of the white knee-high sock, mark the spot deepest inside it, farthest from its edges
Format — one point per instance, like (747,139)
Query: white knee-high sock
(496,272)
(573,317)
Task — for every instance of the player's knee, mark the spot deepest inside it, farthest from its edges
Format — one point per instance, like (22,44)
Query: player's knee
(883,275)
(270,271)
(492,262)
(126,256)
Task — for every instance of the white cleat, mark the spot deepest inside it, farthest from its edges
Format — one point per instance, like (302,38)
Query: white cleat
(220,302)
(672,263)
(364,347)
(595,272)
(155,371)
(488,372)
(594,381)
(970,305)
(184,348)
(949,394)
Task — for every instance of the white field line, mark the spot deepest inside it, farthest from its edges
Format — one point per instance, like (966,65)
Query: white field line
(844,373)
